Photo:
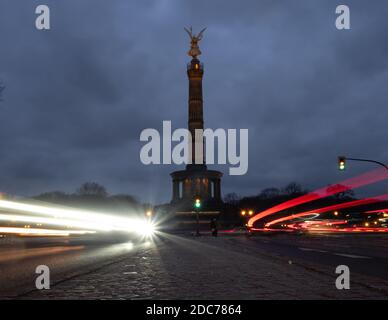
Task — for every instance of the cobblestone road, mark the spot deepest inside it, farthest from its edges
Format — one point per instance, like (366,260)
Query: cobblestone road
(207,268)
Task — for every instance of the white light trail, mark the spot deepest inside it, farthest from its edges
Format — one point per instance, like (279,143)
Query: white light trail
(42,232)
(77,218)
(53,221)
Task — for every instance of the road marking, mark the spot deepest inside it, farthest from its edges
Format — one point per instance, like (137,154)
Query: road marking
(35,252)
(315,250)
(351,256)
(336,253)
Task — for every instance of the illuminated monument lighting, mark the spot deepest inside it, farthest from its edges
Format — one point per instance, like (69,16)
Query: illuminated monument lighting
(196,180)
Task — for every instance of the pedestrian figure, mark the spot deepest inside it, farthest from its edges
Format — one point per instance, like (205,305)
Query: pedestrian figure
(213,227)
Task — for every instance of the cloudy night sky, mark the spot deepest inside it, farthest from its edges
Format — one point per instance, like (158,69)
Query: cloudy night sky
(78,96)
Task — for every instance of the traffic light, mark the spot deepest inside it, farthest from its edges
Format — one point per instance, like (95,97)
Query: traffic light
(197,203)
(341,163)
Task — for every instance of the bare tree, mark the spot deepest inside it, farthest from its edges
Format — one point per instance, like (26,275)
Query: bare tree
(52,195)
(92,189)
(269,193)
(293,188)
(125,198)
(232,198)
(343,195)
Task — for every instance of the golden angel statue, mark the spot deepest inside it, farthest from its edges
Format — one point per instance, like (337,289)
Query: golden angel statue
(194,50)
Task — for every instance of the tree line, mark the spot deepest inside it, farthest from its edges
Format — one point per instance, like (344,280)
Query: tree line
(92,195)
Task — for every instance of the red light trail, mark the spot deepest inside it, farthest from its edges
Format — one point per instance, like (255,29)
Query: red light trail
(352,183)
(347,230)
(377,211)
(290,217)
(331,208)
(317,224)
(271,230)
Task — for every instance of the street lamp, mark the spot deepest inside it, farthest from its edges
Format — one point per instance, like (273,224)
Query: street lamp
(246,213)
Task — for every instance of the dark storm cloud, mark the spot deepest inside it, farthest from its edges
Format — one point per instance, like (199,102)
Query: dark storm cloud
(78,96)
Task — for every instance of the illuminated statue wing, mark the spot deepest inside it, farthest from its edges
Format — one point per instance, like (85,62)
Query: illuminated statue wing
(189,32)
(200,35)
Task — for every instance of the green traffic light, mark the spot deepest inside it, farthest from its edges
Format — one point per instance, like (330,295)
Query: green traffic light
(197,203)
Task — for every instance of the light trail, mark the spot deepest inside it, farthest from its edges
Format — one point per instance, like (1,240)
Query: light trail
(53,221)
(326,226)
(56,212)
(271,230)
(316,223)
(378,211)
(80,218)
(42,232)
(331,208)
(292,217)
(350,230)
(352,183)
